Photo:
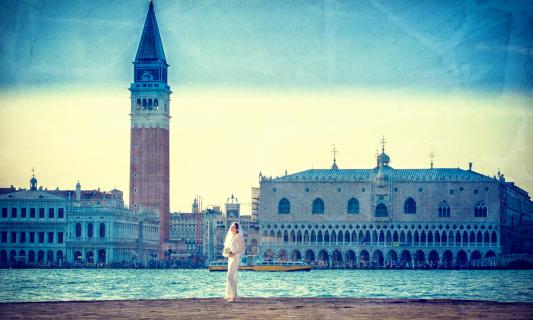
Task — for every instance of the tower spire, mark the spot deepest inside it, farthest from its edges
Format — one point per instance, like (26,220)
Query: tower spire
(150,47)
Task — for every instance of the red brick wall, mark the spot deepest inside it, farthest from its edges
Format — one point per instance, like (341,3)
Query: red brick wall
(149,173)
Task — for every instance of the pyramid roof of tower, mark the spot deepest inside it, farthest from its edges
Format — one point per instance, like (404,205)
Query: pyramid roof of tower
(150,47)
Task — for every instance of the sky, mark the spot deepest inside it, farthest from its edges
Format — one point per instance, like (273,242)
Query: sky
(267,86)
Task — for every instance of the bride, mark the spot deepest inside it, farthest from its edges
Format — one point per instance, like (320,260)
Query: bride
(233,249)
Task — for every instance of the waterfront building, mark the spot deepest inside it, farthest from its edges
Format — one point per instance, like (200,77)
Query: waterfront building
(40,227)
(107,233)
(150,115)
(32,227)
(198,237)
(434,217)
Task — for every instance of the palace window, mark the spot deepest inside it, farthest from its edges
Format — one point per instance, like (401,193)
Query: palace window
(102,230)
(353,206)
(13,212)
(50,237)
(90,230)
(22,236)
(409,206)
(444,210)
(318,206)
(13,236)
(78,230)
(50,212)
(23,212)
(4,236)
(61,213)
(284,206)
(32,212)
(41,212)
(138,104)
(4,212)
(381,210)
(481,210)
(60,237)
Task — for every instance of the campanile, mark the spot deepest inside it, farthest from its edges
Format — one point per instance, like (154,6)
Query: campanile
(150,115)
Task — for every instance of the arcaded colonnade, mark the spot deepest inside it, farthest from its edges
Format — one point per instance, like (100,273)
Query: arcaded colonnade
(378,245)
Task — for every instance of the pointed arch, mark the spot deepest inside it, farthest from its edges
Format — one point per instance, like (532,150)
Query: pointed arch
(353,206)
(284,206)
(480,210)
(381,210)
(318,206)
(444,209)
(409,206)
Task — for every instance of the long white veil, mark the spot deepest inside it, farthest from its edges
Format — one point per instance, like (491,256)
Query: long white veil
(230,237)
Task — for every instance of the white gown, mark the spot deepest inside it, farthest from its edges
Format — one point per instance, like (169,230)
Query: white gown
(237,248)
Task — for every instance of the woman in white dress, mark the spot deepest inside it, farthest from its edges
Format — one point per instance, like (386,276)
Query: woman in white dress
(233,249)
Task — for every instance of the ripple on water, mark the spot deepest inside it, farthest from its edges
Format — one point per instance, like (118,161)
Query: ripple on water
(104,284)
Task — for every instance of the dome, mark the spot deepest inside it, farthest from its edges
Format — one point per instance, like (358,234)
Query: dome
(383,159)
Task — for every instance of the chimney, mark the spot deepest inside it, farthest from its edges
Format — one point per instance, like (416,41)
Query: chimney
(470,166)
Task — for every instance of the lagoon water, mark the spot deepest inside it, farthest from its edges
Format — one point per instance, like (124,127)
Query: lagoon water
(112,284)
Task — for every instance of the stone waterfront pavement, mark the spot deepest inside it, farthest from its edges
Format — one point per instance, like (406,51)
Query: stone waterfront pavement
(269,308)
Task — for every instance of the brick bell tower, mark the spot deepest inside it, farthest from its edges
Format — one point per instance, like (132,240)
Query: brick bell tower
(149,153)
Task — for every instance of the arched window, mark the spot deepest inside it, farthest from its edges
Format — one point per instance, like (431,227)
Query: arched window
(318,206)
(138,104)
(284,206)
(145,104)
(156,104)
(102,230)
(444,210)
(481,210)
(409,206)
(353,206)
(78,230)
(381,210)
(90,230)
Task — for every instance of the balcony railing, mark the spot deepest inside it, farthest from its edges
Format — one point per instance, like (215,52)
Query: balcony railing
(99,239)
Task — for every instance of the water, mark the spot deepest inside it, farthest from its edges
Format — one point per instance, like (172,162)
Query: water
(109,284)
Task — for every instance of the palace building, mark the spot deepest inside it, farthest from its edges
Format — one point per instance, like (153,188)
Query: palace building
(57,228)
(387,217)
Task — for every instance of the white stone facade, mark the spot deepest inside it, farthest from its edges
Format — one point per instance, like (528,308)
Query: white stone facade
(32,228)
(73,227)
(400,217)
(109,234)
